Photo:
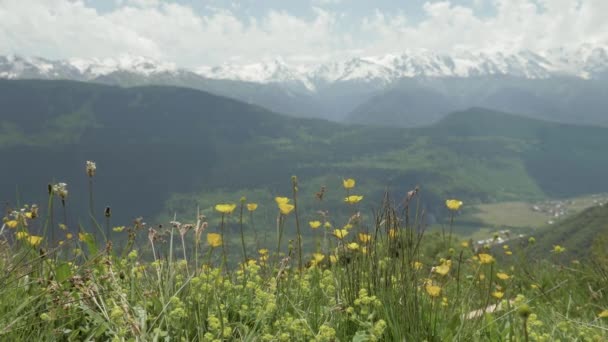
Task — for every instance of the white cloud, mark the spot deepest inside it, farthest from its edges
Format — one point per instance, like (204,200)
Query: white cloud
(174,32)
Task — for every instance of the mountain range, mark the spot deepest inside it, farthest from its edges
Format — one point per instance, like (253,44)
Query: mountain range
(162,150)
(409,89)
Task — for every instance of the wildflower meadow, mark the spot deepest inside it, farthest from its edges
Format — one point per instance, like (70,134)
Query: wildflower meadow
(373,276)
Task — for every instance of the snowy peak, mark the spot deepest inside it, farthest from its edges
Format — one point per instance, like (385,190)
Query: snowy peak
(586,61)
(273,71)
(79,69)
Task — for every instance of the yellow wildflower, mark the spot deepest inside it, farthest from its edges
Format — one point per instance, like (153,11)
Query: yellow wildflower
(502,276)
(263,251)
(557,249)
(286,208)
(214,239)
(348,183)
(12,223)
(498,294)
(353,199)
(327,225)
(417,265)
(348,226)
(34,240)
(252,206)
(432,290)
(28,215)
(281,200)
(353,246)
(485,258)
(21,235)
(317,258)
(225,208)
(119,229)
(392,233)
(69,236)
(603,314)
(443,269)
(340,233)
(453,204)
(364,250)
(364,238)
(333,259)
(464,244)
(508,253)
(314,224)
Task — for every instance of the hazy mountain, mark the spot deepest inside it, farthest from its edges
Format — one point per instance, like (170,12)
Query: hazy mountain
(165,150)
(551,84)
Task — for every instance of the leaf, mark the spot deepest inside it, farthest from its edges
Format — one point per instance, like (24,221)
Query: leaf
(63,272)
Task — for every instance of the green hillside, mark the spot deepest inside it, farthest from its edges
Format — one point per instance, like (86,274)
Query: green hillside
(162,150)
(582,235)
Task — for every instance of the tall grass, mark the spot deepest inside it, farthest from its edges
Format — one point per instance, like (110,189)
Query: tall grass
(376,277)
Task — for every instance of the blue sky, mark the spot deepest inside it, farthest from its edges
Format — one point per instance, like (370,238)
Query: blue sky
(192,33)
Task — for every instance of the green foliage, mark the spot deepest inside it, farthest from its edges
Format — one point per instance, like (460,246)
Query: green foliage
(386,279)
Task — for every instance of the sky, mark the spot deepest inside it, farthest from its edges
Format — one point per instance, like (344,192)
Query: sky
(192,33)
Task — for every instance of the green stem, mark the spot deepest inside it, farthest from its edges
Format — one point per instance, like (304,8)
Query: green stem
(242,234)
(295,204)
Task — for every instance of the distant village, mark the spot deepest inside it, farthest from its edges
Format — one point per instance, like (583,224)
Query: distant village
(555,210)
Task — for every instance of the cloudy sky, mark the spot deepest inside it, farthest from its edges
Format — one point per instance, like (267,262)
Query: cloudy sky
(208,32)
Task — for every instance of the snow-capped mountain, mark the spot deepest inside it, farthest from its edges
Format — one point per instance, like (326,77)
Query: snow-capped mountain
(15,67)
(409,88)
(585,61)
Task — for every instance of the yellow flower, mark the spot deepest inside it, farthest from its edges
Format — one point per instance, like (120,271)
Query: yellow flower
(286,208)
(392,233)
(508,253)
(498,294)
(485,258)
(69,236)
(21,235)
(603,314)
(364,250)
(433,290)
(353,199)
(417,265)
(263,251)
(12,223)
(353,246)
(464,244)
(82,237)
(348,226)
(252,206)
(214,239)
(557,249)
(502,276)
(327,225)
(119,229)
(225,208)
(333,259)
(281,200)
(317,258)
(29,215)
(442,269)
(34,240)
(364,238)
(314,224)
(453,204)
(348,183)
(340,233)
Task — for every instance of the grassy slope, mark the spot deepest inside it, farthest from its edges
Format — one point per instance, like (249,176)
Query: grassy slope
(159,144)
(577,233)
